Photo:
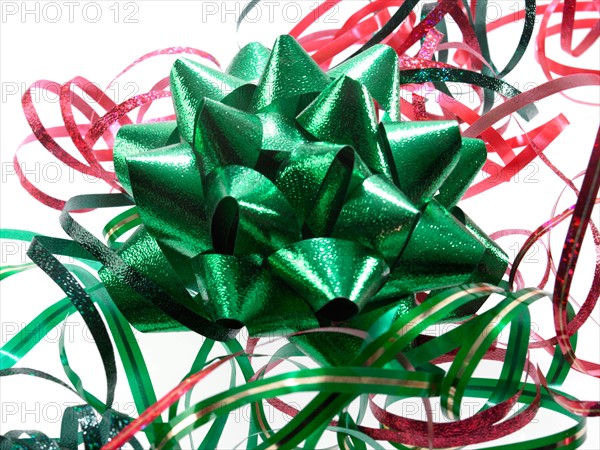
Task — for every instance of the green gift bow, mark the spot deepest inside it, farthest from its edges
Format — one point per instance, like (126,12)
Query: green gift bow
(278,201)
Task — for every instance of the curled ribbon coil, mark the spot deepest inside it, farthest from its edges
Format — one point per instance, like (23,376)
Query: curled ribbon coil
(288,196)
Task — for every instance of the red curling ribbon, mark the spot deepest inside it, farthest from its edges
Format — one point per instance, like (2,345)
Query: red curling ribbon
(537,144)
(567,27)
(166,51)
(372,8)
(562,69)
(568,263)
(314,41)
(548,269)
(426,52)
(423,27)
(541,139)
(461,432)
(95,132)
(490,135)
(42,135)
(544,61)
(586,309)
(148,416)
(99,127)
(465,48)
(344,41)
(84,148)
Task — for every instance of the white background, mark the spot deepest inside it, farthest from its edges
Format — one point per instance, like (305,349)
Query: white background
(59,40)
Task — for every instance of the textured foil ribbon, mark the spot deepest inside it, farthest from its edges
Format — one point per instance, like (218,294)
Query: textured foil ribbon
(279,201)
(284,198)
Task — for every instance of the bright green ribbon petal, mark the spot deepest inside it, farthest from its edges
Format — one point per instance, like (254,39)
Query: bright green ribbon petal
(389,220)
(424,153)
(250,62)
(170,199)
(471,158)
(248,214)
(344,114)
(191,82)
(335,277)
(289,74)
(294,202)
(316,179)
(225,135)
(137,139)
(441,253)
(378,70)
(142,252)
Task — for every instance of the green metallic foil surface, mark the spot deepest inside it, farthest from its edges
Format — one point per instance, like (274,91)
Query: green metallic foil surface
(279,201)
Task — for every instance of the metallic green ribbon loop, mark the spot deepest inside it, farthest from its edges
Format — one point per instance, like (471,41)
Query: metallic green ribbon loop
(424,153)
(139,139)
(250,62)
(390,220)
(248,213)
(377,69)
(236,300)
(344,114)
(471,158)
(191,82)
(225,135)
(325,272)
(280,202)
(289,74)
(316,178)
(170,197)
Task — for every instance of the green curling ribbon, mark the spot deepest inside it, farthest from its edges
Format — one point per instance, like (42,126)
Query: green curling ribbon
(280,202)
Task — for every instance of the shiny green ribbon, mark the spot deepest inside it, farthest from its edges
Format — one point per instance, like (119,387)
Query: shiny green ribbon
(285,198)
